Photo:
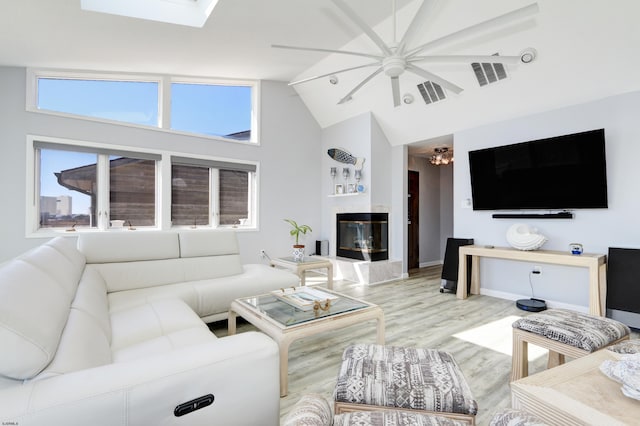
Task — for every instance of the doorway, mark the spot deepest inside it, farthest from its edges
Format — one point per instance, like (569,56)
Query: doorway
(413,223)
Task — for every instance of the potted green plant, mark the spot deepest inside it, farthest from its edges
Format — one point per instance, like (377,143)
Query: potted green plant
(296,230)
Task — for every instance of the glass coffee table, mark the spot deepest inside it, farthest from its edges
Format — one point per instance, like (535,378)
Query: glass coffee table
(285,323)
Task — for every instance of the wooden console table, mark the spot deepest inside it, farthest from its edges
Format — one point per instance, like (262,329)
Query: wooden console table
(576,393)
(596,263)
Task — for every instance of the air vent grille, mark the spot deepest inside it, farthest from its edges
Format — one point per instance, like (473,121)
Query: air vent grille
(487,73)
(431,92)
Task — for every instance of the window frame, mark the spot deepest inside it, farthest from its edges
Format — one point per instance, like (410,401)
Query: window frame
(162,191)
(164,98)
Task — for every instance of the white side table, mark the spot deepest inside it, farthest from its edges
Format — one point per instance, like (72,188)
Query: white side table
(300,267)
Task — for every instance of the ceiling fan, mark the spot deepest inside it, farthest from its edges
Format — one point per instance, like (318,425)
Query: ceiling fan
(397,57)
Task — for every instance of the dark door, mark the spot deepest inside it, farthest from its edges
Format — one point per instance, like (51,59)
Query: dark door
(414,220)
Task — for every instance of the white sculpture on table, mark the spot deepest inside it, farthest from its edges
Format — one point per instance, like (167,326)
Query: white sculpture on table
(524,237)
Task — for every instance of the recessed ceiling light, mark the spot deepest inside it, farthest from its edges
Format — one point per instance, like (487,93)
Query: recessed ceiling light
(193,13)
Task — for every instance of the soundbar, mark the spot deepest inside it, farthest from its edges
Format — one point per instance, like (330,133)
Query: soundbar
(559,215)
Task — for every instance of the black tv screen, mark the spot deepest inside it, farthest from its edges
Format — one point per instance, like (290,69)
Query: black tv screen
(563,172)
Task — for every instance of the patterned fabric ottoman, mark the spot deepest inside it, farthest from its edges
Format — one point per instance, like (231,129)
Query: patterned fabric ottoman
(511,417)
(373,377)
(626,347)
(393,418)
(563,332)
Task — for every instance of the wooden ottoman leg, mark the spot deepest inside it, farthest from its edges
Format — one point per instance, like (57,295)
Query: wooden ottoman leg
(555,359)
(520,356)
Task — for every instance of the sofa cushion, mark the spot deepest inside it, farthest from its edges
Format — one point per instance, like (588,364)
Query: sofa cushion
(83,345)
(91,298)
(36,290)
(59,259)
(208,297)
(121,276)
(154,327)
(128,246)
(201,243)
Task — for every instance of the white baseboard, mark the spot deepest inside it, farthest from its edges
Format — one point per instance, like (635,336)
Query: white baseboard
(432,263)
(550,303)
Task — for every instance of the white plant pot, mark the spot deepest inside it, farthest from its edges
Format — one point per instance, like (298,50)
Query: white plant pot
(298,253)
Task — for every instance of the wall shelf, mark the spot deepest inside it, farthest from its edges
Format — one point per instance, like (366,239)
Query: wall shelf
(345,195)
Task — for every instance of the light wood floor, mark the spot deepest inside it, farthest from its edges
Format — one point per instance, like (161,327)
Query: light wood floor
(416,314)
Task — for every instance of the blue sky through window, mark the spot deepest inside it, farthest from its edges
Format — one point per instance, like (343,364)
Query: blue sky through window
(210,109)
(53,161)
(128,101)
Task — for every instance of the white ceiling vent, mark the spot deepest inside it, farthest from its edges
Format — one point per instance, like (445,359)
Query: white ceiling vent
(431,92)
(487,73)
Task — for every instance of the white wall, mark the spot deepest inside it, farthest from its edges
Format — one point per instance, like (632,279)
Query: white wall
(596,229)
(288,156)
(362,137)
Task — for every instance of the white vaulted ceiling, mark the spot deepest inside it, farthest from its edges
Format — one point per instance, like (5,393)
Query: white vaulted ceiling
(586,50)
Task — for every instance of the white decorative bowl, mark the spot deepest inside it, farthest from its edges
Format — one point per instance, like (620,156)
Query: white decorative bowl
(523,237)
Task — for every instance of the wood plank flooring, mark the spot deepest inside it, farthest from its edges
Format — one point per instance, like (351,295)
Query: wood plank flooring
(416,314)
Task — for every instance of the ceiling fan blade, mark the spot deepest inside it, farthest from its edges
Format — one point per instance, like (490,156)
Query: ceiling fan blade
(316,49)
(494,59)
(464,33)
(420,17)
(363,26)
(304,80)
(430,76)
(395,88)
(359,86)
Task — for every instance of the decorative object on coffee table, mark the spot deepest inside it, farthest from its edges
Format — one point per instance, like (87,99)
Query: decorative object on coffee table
(524,237)
(298,249)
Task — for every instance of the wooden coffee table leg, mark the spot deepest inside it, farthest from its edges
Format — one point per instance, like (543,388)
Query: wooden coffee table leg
(283,345)
(231,323)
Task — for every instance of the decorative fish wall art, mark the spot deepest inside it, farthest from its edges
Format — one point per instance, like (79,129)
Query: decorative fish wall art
(345,157)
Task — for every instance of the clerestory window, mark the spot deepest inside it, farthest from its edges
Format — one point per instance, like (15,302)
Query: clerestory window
(220,109)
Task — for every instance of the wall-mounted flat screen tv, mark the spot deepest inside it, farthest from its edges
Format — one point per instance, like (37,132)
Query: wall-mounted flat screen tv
(563,172)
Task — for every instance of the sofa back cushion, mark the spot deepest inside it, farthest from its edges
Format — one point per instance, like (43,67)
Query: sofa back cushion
(137,260)
(128,246)
(208,243)
(36,291)
(120,276)
(86,338)
(210,254)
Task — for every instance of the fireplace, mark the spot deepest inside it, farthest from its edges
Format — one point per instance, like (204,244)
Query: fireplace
(362,236)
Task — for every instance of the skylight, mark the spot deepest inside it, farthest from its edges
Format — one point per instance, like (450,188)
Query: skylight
(193,13)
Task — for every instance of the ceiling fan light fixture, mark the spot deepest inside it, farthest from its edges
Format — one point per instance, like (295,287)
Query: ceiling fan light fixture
(394,65)
(528,55)
(441,156)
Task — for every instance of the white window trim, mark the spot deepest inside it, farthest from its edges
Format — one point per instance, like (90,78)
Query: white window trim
(163,189)
(164,98)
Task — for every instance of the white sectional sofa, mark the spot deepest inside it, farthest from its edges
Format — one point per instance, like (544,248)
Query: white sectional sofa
(202,268)
(111,333)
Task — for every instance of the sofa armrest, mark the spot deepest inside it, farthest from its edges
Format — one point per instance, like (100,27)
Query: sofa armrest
(240,371)
(310,410)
